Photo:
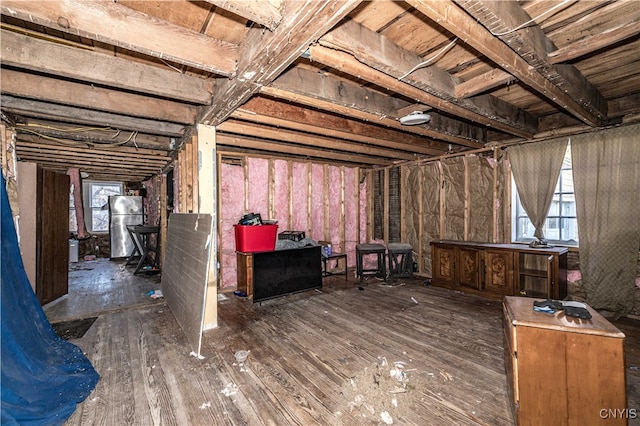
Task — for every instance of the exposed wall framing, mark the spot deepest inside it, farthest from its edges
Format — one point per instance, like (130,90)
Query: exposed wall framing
(322,200)
(187,177)
(463,198)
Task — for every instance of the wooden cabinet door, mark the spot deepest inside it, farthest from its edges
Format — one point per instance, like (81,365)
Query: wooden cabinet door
(444,264)
(498,276)
(469,268)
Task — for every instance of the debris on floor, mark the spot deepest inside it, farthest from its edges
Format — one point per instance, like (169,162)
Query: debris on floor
(230,389)
(379,390)
(155,294)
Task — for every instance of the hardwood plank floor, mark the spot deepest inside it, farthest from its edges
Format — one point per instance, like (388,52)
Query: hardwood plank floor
(100,286)
(316,357)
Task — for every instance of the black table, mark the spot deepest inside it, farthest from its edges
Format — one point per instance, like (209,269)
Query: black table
(143,247)
(334,256)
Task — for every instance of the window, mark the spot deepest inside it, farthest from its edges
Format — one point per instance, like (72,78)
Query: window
(73,223)
(561,226)
(99,193)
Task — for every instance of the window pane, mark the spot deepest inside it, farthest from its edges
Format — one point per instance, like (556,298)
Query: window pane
(525,228)
(561,224)
(554,208)
(568,205)
(100,194)
(567,181)
(100,220)
(570,230)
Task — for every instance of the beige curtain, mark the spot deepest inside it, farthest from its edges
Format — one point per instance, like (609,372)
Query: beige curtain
(606,175)
(536,168)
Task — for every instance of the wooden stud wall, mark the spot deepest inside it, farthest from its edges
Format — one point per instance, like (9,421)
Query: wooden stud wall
(188,177)
(312,187)
(501,215)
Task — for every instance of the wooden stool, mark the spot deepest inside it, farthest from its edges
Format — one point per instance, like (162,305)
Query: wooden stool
(400,260)
(379,250)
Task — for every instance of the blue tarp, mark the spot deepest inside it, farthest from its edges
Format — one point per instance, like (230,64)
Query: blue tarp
(43,376)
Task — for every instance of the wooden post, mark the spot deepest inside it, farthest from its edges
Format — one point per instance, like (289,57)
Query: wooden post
(325,199)
(163,216)
(467,197)
(207,186)
(385,206)
(442,201)
(343,246)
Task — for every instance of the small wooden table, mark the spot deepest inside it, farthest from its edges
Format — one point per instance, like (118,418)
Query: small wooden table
(326,272)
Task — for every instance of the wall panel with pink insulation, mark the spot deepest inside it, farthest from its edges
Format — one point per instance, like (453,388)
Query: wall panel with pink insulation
(323,201)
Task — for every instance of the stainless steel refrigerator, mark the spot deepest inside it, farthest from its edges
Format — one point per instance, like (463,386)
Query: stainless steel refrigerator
(123,211)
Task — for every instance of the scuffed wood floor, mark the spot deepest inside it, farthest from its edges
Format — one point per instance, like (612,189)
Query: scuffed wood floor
(305,350)
(100,286)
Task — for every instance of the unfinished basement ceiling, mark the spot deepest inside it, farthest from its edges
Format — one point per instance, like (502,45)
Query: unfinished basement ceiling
(114,88)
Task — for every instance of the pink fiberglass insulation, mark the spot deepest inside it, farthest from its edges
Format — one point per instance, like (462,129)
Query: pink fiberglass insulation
(317,202)
(231,210)
(281,194)
(350,215)
(363,212)
(258,176)
(335,205)
(300,191)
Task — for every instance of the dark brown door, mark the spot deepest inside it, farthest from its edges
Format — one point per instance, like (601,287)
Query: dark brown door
(52,236)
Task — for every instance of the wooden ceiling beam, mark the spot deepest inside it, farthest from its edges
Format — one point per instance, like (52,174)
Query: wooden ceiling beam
(432,86)
(262,12)
(100,173)
(285,115)
(483,83)
(594,43)
(532,44)
(265,55)
(110,22)
(287,136)
(143,143)
(32,142)
(465,22)
(241,142)
(68,114)
(329,94)
(46,89)
(70,162)
(29,53)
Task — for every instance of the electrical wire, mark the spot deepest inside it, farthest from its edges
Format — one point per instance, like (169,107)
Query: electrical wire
(431,59)
(26,128)
(531,20)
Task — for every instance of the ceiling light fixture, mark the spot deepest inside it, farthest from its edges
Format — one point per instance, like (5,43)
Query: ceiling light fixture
(414,118)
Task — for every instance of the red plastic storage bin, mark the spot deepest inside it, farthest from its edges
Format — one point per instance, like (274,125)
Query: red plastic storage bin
(250,238)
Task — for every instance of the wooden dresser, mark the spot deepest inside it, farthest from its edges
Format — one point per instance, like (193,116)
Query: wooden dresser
(497,270)
(563,370)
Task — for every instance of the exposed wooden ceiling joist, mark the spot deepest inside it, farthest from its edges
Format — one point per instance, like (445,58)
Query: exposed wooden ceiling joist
(265,111)
(264,55)
(434,86)
(30,53)
(109,22)
(308,153)
(287,136)
(262,12)
(98,136)
(325,92)
(46,89)
(586,105)
(58,112)
(309,80)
